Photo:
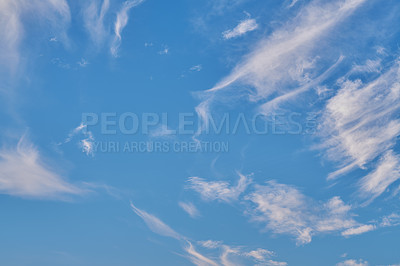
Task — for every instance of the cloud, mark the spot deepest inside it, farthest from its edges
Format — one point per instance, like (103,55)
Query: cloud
(259,254)
(280,208)
(120,23)
(242,28)
(225,252)
(280,64)
(164,51)
(353,263)
(190,209)
(360,124)
(94,20)
(196,68)
(359,230)
(12,14)
(23,173)
(155,224)
(162,131)
(212,244)
(370,66)
(219,190)
(87,143)
(284,210)
(390,220)
(293,3)
(197,258)
(386,173)
(83,62)
(230,256)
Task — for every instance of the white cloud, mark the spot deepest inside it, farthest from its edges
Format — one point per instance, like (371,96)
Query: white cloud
(242,28)
(162,131)
(196,68)
(94,20)
(359,230)
(281,208)
(386,172)
(390,220)
(210,244)
(197,258)
(225,255)
(155,224)
(293,3)
(12,14)
(353,263)
(260,254)
(190,209)
(23,173)
(219,190)
(121,22)
(265,73)
(284,210)
(87,143)
(230,256)
(360,124)
(370,66)
(83,62)
(164,51)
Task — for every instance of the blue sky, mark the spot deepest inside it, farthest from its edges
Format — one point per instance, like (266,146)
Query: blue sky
(213,132)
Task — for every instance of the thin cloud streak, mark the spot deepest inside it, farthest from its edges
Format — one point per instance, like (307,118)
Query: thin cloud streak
(155,224)
(190,209)
(120,23)
(359,230)
(192,254)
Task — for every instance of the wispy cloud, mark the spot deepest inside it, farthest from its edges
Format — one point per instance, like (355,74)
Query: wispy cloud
(358,230)
(94,20)
(283,209)
(88,141)
(196,68)
(360,124)
(293,3)
(230,255)
(359,262)
(190,209)
(280,64)
(242,28)
(219,190)
(155,224)
(120,23)
(159,227)
(227,255)
(12,15)
(164,51)
(390,220)
(23,173)
(386,173)
(198,259)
